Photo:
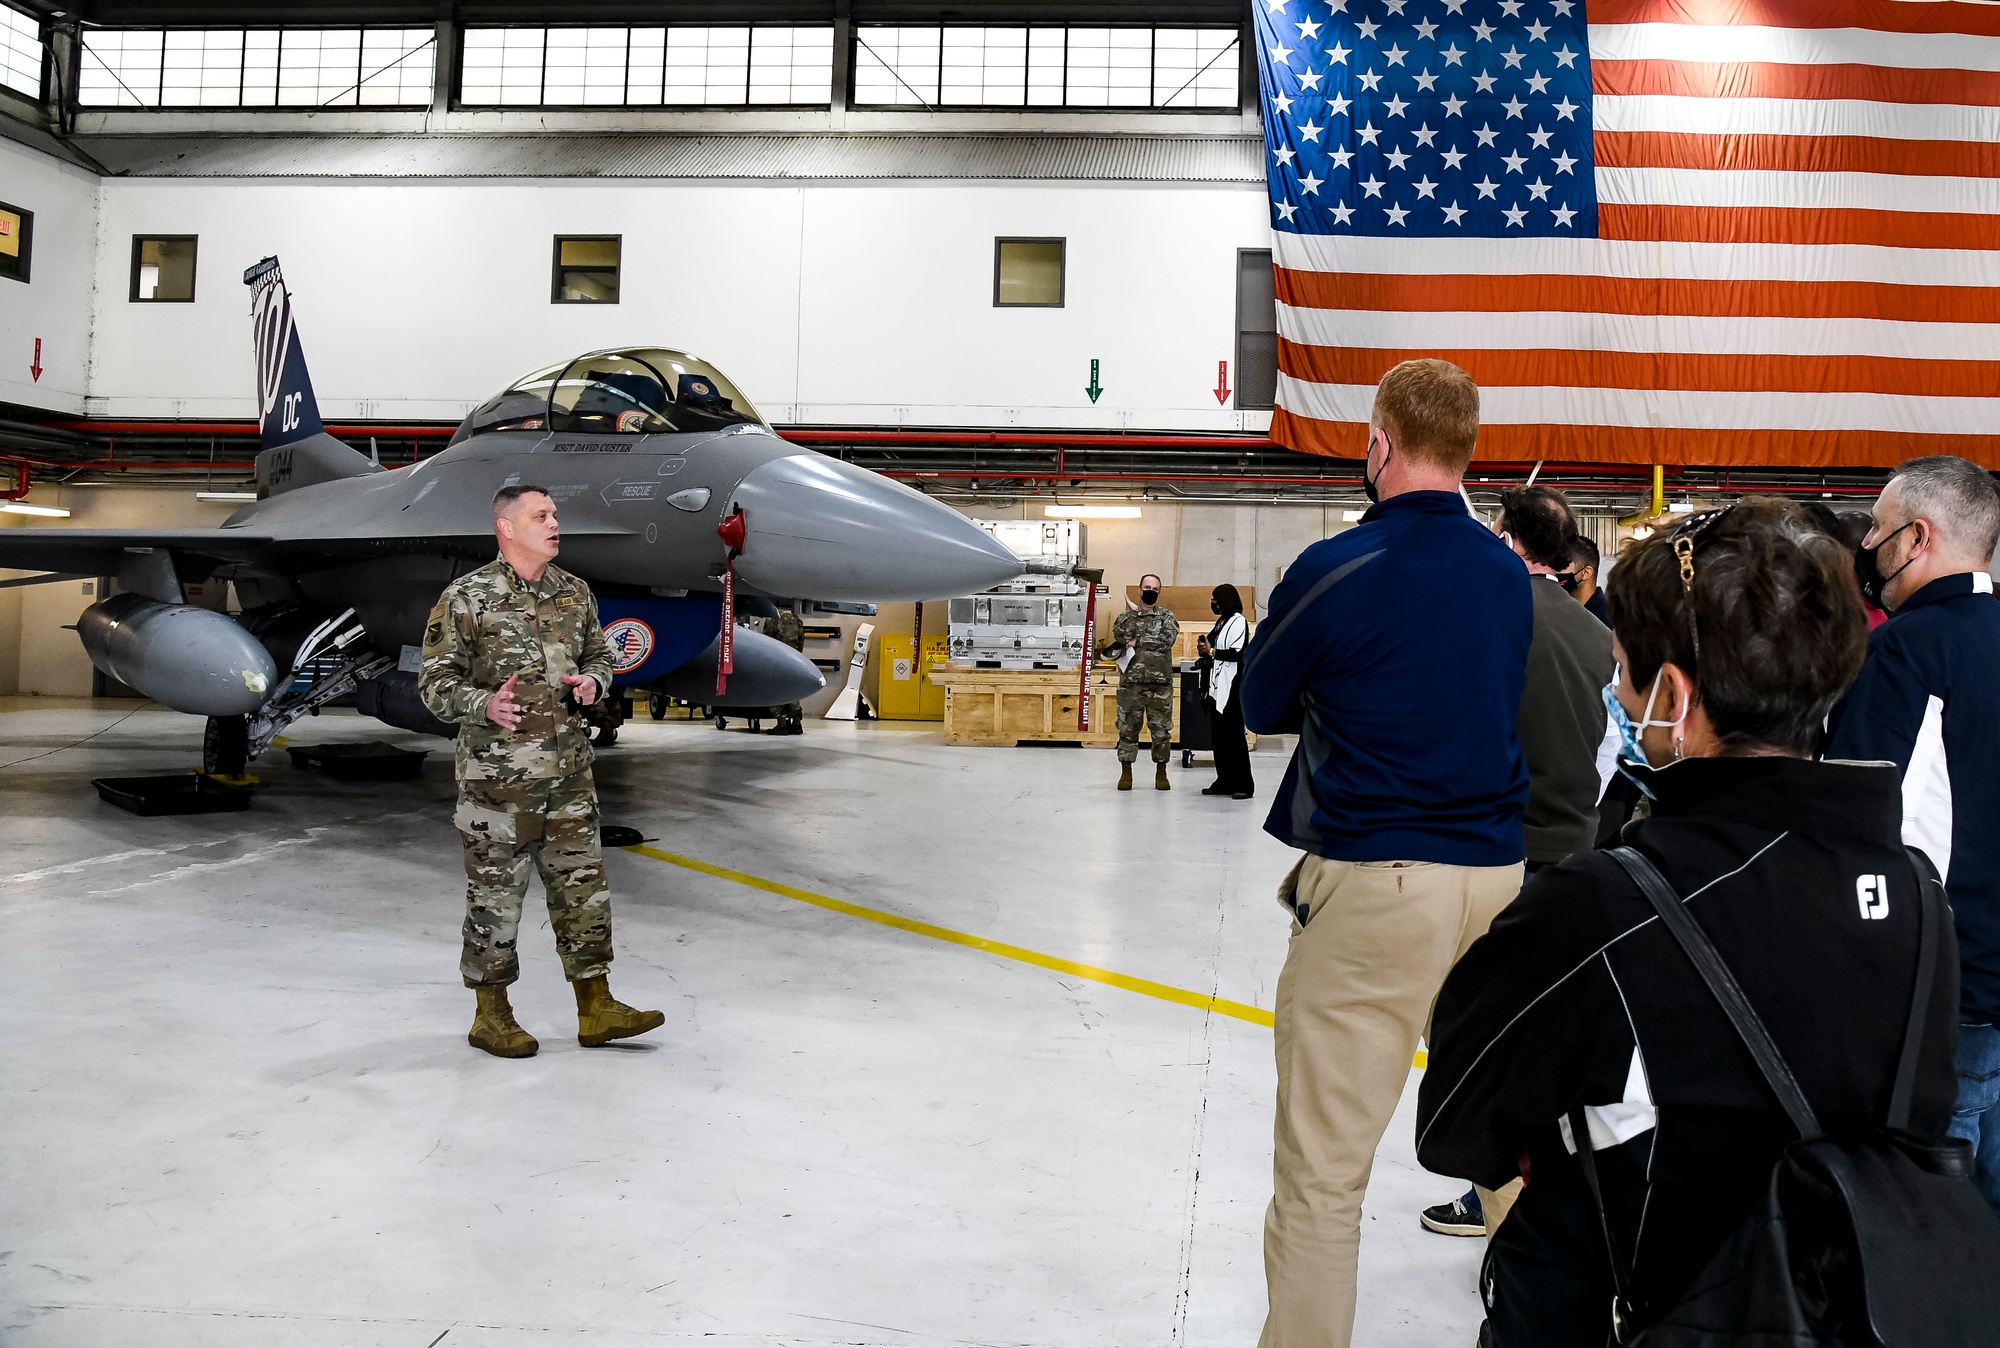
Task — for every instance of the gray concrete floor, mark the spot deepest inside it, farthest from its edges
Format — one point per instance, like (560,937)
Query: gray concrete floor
(237,1105)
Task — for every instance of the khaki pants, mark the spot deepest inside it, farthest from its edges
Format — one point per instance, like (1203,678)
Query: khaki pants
(1353,1000)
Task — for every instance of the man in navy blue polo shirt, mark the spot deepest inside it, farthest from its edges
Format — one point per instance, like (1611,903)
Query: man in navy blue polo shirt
(1928,700)
(1397,652)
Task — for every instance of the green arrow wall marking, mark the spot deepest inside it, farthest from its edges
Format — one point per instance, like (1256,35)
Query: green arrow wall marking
(1094,388)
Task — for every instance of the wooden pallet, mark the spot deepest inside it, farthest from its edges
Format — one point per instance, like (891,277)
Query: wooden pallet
(1002,707)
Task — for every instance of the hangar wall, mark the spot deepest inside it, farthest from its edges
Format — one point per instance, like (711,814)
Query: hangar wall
(842,303)
(55,303)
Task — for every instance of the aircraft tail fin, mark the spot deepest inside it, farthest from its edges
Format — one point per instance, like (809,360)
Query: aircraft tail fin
(295,450)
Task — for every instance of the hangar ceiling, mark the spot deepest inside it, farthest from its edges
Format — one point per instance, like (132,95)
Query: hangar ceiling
(169,13)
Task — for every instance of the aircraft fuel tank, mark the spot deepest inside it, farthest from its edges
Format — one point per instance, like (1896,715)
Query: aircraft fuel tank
(191,659)
(767,673)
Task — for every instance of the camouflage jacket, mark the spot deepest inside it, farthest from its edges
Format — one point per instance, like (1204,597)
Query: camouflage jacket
(490,624)
(787,627)
(1152,632)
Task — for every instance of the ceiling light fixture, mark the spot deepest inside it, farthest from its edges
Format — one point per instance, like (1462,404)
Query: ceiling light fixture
(23,508)
(225,496)
(1091,512)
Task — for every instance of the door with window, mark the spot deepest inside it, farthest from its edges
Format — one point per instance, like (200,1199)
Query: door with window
(1256,331)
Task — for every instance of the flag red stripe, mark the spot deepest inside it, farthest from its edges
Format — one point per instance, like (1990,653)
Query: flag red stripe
(1661,444)
(1569,368)
(1765,79)
(1786,224)
(1626,295)
(1797,154)
(1889,16)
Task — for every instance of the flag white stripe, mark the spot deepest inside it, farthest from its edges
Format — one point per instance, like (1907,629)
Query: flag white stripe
(1637,259)
(1679,333)
(1509,405)
(1723,44)
(1807,191)
(1791,117)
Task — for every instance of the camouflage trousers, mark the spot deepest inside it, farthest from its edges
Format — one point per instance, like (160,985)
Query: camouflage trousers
(791,716)
(509,828)
(1155,702)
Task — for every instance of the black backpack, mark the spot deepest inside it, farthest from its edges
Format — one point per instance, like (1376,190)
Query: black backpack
(1871,1241)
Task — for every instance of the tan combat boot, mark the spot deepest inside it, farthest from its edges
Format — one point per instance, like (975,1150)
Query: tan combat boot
(495,1029)
(1160,782)
(601,1018)
(1124,776)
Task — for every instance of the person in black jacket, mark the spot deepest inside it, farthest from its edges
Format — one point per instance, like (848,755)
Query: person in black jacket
(1928,700)
(1222,655)
(1736,633)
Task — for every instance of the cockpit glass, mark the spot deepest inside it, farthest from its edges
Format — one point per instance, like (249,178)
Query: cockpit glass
(610,394)
(524,407)
(637,391)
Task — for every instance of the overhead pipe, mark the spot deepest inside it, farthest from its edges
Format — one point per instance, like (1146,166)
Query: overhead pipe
(23,477)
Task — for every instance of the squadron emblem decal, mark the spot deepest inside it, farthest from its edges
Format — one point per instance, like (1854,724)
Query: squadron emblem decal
(631,642)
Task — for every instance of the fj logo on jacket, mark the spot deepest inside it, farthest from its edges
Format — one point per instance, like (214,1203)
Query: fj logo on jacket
(1873,893)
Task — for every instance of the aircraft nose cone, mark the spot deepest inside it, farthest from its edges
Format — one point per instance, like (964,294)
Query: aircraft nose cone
(818,528)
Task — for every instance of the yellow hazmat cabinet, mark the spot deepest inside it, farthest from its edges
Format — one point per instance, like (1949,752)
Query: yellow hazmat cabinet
(905,695)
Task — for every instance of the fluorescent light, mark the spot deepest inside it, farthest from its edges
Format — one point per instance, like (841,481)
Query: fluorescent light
(1091,512)
(1643,531)
(1350,516)
(23,508)
(1681,508)
(225,496)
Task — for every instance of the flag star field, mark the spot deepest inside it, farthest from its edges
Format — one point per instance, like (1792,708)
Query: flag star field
(1462,118)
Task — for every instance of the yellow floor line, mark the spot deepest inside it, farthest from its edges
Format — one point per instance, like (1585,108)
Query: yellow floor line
(1201,1001)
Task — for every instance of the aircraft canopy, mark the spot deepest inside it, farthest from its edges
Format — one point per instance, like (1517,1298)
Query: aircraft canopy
(627,391)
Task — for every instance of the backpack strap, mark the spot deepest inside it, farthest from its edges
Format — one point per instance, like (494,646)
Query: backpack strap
(1586,1156)
(1931,925)
(1707,961)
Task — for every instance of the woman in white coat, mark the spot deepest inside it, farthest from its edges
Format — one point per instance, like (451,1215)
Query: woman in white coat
(1223,647)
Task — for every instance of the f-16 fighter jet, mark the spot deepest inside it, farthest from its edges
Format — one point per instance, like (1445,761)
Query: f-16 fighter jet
(672,492)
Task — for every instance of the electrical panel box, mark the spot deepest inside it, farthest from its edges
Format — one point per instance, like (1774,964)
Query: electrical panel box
(1061,540)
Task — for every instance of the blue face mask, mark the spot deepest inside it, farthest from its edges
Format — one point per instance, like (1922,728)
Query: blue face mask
(1629,748)
(1628,734)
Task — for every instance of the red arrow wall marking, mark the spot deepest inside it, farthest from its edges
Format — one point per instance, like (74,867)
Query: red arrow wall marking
(36,368)
(1221,389)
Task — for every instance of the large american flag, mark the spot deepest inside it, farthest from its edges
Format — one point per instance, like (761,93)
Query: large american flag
(1656,231)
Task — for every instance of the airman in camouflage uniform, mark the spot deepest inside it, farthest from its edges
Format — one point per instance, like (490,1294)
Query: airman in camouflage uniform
(1146,685)
(789,628)
(509,659)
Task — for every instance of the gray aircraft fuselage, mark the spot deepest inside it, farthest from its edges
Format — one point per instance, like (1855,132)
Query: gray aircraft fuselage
(639,512)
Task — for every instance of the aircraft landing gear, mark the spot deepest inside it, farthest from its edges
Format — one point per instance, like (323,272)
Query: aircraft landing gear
(656,706)
(225,746)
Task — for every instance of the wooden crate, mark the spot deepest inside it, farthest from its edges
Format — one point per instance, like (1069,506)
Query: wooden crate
(1002,707)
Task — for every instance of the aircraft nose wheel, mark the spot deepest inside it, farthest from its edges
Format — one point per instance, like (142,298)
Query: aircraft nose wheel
(225,746)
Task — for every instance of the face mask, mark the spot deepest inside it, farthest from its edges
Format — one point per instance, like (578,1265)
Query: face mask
(1149,596)
(1215,608)
(1372,485)
(1629,731)
(1570,582)
(1868,570)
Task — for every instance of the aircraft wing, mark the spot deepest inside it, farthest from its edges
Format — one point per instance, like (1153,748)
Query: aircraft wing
(99,552)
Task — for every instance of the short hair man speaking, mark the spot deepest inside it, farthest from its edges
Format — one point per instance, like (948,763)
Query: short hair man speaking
(511,653)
